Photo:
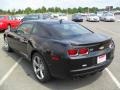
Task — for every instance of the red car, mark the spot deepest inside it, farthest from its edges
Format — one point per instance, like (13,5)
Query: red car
(7,22)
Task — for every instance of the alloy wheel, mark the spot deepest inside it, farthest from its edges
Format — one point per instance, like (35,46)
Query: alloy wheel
(38,67)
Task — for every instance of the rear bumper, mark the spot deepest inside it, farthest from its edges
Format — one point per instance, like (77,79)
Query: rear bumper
(89,70)
(112,20)
(65,69)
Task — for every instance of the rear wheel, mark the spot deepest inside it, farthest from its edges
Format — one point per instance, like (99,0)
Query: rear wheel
(6,45)
(40,68)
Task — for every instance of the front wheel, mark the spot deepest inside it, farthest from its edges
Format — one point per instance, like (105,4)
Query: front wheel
(40,68)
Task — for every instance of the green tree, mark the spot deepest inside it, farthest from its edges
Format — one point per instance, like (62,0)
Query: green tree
(28,10)
(43,9)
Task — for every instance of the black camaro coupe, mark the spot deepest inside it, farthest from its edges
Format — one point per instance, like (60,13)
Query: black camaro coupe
(59,48)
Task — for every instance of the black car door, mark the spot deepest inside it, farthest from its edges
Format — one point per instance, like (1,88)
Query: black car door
(23,34)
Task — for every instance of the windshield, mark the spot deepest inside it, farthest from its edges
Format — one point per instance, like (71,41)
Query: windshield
(67,30)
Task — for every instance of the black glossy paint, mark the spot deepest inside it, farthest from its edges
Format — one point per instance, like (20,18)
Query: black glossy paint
(52,44)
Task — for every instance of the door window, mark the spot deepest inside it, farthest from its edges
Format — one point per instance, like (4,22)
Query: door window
(25,28)
(39,30)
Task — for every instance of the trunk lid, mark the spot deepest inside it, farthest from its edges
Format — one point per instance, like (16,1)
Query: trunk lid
(87,39)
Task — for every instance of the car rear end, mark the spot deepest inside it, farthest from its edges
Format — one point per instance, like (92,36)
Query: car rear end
(79,51)
(110,18)
(86,59)
(78,60)
(77,18)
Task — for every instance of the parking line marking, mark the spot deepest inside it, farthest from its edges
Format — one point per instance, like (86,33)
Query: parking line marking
(9,72)
(113,78)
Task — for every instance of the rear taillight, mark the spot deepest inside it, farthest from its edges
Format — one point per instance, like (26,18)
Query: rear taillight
(75,52)
(83,51)
(72,52)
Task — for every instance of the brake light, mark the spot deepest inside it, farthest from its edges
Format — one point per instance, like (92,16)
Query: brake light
(83,51)
(72,52)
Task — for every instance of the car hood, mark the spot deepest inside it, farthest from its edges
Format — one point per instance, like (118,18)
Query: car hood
(87,39)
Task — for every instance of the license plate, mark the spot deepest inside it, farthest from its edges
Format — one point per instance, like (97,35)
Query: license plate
(101,58)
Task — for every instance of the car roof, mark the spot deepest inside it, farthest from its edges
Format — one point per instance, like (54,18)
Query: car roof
(50,21)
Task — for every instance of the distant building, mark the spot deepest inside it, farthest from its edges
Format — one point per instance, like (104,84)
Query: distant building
(109,8)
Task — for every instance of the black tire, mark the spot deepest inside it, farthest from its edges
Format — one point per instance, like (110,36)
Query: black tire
(6,45)
(45,76)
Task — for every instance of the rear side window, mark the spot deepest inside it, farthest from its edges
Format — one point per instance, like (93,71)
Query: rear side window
(40,31)
(26,28)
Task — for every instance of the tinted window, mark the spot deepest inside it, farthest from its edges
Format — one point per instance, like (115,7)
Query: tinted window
(66,30)
(40,30)
(26,28)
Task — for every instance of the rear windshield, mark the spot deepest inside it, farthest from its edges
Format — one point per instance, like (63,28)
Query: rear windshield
(67,30)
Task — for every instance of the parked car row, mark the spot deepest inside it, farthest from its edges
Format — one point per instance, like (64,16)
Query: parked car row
(93,17)
(8,21)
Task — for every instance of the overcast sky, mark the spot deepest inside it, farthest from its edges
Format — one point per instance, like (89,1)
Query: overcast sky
(21,4)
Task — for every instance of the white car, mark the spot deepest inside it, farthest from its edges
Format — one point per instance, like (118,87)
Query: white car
(60,16)
(93,17)
(108,17)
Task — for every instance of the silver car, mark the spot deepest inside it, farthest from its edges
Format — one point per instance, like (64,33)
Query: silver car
(93,17)
(108,17)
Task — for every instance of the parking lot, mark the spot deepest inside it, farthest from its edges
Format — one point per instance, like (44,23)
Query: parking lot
(16,72)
